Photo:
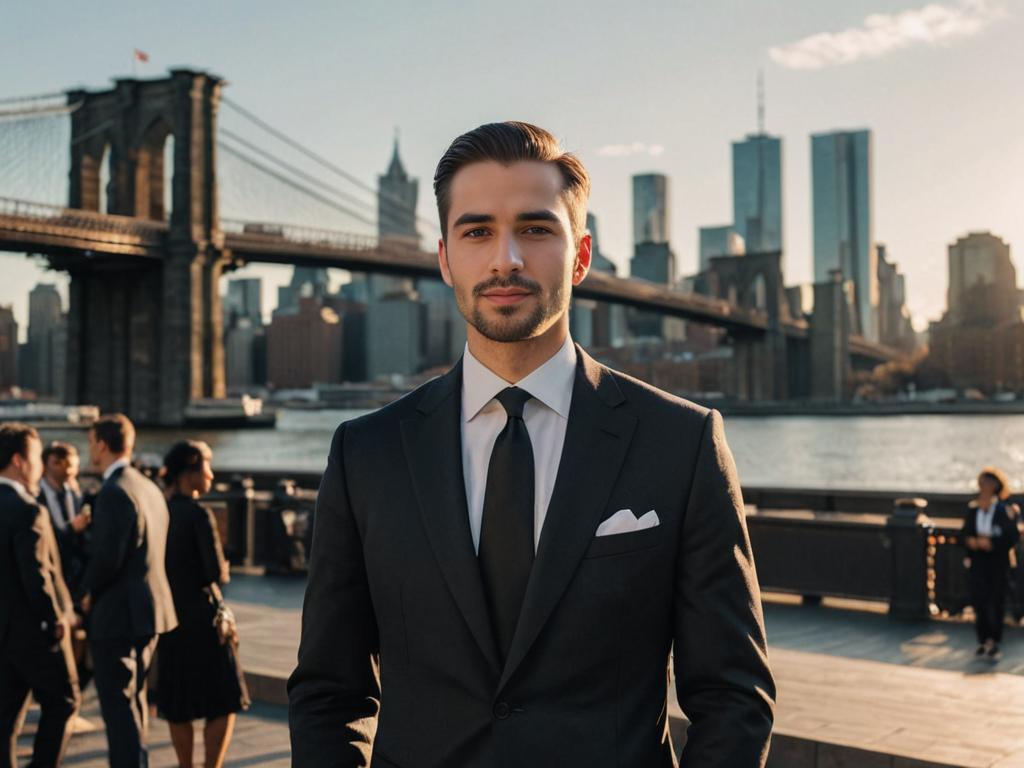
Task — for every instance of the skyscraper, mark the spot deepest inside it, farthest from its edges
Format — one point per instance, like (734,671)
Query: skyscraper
(244,299)
(650,208)
(397,193)
(757,192)
(843,226)
(982,281)
(45,351)
(8,348)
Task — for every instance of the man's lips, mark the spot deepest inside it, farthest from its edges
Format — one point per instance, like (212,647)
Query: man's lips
(505,297)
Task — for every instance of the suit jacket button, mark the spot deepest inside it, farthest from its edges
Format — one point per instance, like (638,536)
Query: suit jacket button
(501,710)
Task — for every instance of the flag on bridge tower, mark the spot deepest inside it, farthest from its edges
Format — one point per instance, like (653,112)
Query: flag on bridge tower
(141,55)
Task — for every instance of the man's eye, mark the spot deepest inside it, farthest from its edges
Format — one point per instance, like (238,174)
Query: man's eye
(538,230)
(478,232)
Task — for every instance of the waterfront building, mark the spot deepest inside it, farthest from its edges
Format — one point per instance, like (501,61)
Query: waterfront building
(46,350)
(843,225)
(304,346)
(244,299)
(894,326)
(979,342)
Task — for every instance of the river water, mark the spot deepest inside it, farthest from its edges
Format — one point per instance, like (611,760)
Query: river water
(920,453)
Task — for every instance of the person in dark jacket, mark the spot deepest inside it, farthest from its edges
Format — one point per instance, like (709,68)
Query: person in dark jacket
(989,534)
(125,590)
(36,615)
(199,676)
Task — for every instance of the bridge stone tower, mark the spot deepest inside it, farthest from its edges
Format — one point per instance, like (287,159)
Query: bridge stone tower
(145,334)
(754,281)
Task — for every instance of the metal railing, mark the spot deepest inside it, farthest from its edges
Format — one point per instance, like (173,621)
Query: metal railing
(79,222)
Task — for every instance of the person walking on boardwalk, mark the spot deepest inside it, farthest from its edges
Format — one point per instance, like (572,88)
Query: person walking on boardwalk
(504,560)
(36,614)
(125,588)
(198,674)
(989,534)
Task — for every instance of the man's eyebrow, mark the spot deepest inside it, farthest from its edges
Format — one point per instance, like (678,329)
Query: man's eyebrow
(473,218)
(541,215)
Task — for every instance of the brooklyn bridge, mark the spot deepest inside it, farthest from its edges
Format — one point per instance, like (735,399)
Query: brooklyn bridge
(137,226)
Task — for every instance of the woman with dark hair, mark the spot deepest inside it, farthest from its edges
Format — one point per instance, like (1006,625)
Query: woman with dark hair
(199,677)
(990,532)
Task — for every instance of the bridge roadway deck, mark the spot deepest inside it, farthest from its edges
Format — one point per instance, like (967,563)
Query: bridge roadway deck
(855,688)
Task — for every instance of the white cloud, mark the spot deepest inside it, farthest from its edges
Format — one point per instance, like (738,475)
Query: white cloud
(636,148)
(883,33)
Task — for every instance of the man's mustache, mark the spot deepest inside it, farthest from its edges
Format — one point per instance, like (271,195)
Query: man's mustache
(514,281)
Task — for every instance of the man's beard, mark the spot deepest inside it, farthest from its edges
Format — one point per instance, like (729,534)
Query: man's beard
(509,329)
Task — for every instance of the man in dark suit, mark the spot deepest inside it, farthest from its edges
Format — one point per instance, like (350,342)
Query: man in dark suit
(505,559)
(36,615)
(126,591)
(59,493)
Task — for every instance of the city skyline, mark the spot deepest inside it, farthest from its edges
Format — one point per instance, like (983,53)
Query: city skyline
(937,176)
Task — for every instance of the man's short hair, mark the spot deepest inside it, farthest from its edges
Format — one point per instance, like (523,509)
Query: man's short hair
(116,430)
(14,439)
(507,143)
(59,450)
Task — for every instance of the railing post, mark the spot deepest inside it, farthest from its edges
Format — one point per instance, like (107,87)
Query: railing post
(907,532)
(242,522)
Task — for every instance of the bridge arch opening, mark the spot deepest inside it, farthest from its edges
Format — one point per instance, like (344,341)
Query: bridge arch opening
(105,175)
(154,173)
(759,293)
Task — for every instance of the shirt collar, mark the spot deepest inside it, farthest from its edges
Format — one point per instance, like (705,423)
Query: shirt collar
(550,383)
(119,464)
(14,484)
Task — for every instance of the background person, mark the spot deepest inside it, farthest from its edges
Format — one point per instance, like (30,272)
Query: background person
(198,673)
(126,592)
(36,614)
(989,534)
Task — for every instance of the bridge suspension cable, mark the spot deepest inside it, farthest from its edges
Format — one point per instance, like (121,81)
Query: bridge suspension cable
(320,160)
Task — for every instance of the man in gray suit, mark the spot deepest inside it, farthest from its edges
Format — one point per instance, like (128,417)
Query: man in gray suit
(504,560)
(126,592)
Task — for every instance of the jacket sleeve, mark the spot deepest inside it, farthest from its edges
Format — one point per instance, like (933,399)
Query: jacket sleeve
(114,524)
(214,566)
(334,692)
(30,549)
(723,682)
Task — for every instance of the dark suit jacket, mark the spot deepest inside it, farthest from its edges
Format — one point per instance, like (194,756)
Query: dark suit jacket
(195,560)
(73,546)
(395,602)
(125,575)
(1005,535)
(32,591)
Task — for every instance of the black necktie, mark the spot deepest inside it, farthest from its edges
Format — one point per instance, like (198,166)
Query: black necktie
(506,531)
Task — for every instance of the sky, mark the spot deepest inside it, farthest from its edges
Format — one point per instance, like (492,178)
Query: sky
(645,86)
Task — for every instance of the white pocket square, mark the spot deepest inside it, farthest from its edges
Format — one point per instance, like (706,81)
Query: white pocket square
(624,521)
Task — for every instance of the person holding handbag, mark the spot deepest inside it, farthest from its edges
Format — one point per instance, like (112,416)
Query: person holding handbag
(199,676)
(989,534)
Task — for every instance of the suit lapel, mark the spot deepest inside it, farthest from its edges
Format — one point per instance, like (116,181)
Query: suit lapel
(432,441)
(597,438)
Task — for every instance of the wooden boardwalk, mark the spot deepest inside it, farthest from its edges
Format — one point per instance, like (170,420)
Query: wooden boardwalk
(855,688)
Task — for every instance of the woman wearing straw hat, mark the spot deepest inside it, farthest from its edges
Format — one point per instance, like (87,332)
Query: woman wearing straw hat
(989,534)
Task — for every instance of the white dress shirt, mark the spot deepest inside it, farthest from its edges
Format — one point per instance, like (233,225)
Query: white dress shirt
(546,417)
(114,467)
(62,510)
(984,519)
(15,485)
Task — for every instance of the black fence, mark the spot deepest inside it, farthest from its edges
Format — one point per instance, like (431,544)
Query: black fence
(881,546)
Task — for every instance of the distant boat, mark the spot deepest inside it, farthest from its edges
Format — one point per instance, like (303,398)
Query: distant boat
(49,415)
(229,413)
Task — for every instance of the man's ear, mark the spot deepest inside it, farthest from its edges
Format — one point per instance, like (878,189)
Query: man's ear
(442,261)
(582,262)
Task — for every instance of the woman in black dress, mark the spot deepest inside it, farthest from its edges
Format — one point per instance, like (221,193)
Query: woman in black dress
(198,673)
(989,534)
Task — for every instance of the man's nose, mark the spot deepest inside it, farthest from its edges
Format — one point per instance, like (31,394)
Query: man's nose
(507,256)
